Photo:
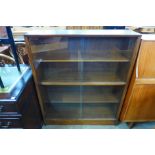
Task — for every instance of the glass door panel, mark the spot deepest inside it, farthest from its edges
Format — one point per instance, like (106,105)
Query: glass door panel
(101,102)
(64,111)
(63,101)
(57,49)
(99,111)
(59,73)
(101,94)
(105,72)
(117,49)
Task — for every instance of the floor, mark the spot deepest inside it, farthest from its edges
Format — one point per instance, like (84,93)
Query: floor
(148,125)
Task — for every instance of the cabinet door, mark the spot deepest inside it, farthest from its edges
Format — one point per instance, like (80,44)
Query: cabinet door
(146,60)
(105,69)
(58,66)
(141,105)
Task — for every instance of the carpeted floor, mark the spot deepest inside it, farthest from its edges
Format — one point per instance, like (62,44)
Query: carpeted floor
(148,125)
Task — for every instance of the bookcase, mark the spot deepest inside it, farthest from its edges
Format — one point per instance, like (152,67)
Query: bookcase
(81,76)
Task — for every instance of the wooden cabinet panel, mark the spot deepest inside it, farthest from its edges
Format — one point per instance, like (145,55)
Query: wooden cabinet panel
(146,60)
(141,105)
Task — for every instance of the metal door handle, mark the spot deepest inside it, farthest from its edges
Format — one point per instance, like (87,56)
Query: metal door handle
(137,66)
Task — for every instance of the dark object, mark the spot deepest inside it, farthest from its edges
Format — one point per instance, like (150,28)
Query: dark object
(22,52)
(10,41)
(131,125)
(114,27)
(145,30)
(1,83)
(21,109)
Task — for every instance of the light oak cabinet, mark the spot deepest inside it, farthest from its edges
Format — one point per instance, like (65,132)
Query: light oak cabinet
(139,105)
(81,76)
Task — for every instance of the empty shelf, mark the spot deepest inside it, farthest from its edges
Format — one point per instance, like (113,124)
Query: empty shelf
(75,56)
(86,97)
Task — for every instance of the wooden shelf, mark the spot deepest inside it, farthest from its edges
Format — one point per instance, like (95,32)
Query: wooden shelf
(87,78)
(48,83)
(85,60)
(106,121)
(95,56)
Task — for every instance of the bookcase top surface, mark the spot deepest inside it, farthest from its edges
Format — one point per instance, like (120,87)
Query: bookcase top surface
(82,33)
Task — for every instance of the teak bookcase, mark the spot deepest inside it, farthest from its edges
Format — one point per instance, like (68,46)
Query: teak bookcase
(82,76)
